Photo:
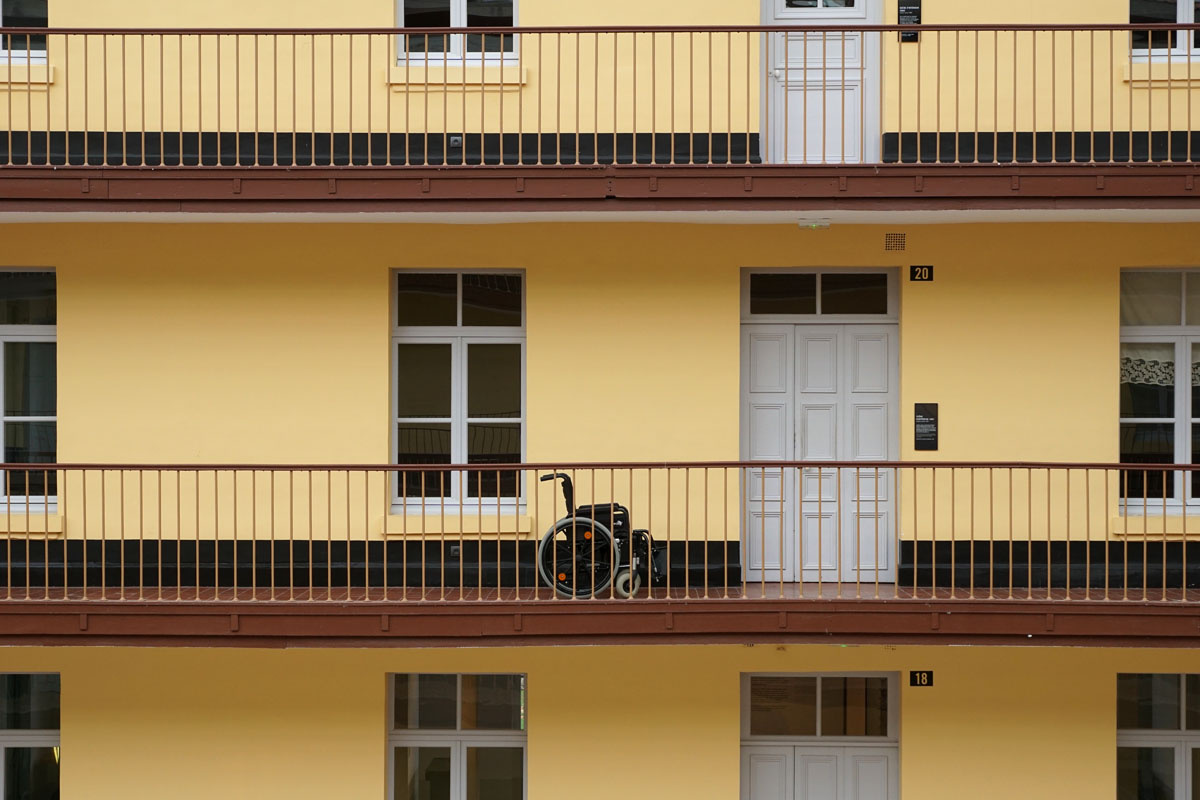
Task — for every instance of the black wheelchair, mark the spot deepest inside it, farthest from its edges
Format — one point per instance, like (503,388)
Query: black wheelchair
(595,545)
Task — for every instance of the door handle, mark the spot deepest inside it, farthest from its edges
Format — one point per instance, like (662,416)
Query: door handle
(778,73)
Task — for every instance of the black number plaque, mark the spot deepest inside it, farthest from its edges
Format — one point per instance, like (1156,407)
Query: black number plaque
(926,426)
(922,677)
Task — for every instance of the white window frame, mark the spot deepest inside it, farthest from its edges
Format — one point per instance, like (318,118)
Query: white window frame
(457,740)
(17,58)
(25,333)
(822,11)
(1182,741)
(1184,40)
(456,53)
(28,738)
(893,711)
(1182,337)
(893,290)
(459,338)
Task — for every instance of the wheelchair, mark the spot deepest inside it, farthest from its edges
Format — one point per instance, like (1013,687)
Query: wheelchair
(595,545)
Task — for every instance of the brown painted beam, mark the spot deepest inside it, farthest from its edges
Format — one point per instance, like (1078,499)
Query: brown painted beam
(631,187)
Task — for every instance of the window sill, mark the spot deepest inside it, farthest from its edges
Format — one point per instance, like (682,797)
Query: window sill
(453,76)
(31,524)
(35,75)
(487,524)
(1177,72)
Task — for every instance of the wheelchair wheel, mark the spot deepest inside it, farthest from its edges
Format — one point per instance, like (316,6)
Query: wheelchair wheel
(576,557)
(627,583)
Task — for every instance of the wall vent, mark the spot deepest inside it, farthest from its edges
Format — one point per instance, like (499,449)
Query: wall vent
(895,241)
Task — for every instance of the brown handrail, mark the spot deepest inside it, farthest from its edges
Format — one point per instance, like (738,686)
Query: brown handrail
(572,29)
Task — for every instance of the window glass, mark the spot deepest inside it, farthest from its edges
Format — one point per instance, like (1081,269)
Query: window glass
(1147,379)
(427,14)
(426,299)
(1147,443)
(1192,283)
(24,14)
(425,443)
(30,379)
(27,298)
(1145,773)
(489,14)
(783,706)
(31,773)
(783,293)
(493,702)
(854,293)
(1148,702)
(1192,712)
(493,444)
(29,702)
(495,773)
(493,380)
(426,702)
(423,378)
(492,300)
(1152,12)
(854,707)
(1151,298)
(421,773)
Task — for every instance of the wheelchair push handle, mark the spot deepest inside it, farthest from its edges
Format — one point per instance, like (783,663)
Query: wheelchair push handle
(567,488)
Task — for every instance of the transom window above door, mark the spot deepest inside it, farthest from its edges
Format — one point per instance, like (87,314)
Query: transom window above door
(844,295)
(817,706)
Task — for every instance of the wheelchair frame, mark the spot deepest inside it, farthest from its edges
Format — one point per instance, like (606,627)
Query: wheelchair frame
(595,545)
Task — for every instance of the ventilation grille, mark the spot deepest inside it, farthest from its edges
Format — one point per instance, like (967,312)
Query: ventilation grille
(895,241)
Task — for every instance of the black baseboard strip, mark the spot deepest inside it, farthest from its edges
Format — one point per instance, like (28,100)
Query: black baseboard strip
(1026,147)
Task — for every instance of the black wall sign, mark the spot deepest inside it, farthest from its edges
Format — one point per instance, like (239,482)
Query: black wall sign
(926,426)
(910,14)
(922,677)
(922,273)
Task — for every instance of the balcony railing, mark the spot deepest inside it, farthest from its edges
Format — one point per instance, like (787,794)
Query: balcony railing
(601,532)
(870,94)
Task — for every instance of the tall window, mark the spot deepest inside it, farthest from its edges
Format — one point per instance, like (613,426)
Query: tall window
(457,14)
(29,366)
(1158,737)
(459,355)
(457,737)
(29,720)
(22,14)
(1160,381)
(1157,12)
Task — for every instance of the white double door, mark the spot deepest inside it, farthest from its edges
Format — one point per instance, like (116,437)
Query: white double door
(824,393)
(820,773)
(823,81)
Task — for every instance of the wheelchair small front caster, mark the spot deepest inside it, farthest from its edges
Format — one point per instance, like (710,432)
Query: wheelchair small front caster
(627,583)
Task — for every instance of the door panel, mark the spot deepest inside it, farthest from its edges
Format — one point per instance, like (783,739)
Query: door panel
(818,774)
(768,773)
(871,774)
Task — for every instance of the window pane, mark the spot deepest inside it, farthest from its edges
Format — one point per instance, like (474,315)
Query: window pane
(427,298)
(1147,702)
(854,294)
(1195,380)
(854,707)
(1147,380)
(427,14)
(423,380)
(783,706)
(493,702)
(421,773)
(783,294)
(493,444)
(492,300)
(801,3)
(1145,773)
(31,773)
(495,773)
(426,702)
(425,443)
(24,14)
(494,380)
(30,443)
(1147,443)
(489,14)
(30,379)
(839,3)
(29,702)
(1192,712)
(1151,298)
(27,298)
(1195,759)
(1192,287)
(1152,12)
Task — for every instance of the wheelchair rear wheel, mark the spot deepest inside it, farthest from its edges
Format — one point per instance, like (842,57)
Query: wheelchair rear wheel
(576,557)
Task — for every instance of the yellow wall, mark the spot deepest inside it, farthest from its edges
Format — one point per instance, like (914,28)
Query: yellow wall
(663,721)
